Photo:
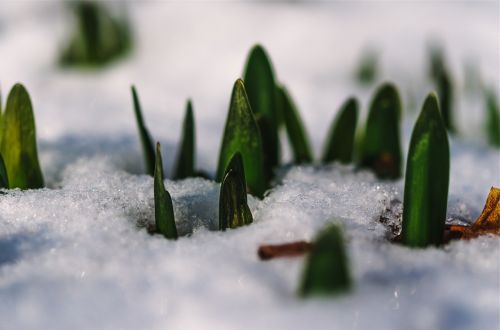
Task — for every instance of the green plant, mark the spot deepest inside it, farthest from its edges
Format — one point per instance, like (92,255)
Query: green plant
(98,36)
(145,137)
(367,70)
(18,141)
(426,180)
(261,90)
(241,134)
(340,140)
(4,180)
(164,210)
(185,165)
(327,269)
(381,147)
(295,128)
(492,119)
(233,207)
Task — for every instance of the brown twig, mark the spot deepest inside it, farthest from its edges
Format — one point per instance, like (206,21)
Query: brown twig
(294,249)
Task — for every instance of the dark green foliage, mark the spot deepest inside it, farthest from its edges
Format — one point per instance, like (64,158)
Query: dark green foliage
(426,181)
(340,140)
(444,85)
(233,207)
(185,164)
(98,36)
(146,141)
(492,119)
(4,180)
(18,141)
(261,90)
(241,134)
(381,147)
(295,129)
(164,210)
(367,70)
(327,267)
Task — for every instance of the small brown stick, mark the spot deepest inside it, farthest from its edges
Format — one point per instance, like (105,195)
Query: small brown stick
(294,249)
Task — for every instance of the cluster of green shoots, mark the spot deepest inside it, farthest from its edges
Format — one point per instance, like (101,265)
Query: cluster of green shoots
(98,36)
(258,109)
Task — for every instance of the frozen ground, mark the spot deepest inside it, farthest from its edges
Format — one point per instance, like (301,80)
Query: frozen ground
(75,255)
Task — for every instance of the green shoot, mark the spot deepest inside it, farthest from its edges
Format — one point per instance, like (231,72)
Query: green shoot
(185,164)
(340,141)
(426,181)
(261,90)
(295,129)
(4,180)
(492,119)
(145,137)
(241,134)
(18,141)
(381,147)
(164,210)
(233,207)
(327,268)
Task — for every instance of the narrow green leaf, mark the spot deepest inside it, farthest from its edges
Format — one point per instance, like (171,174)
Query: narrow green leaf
(327,268)
(4,180)
(164,210)
(426,181)
(445,91)
(261,89)
(492,119)
(18,141)
(233,208)
(242,134)
(185,164)
(98,36)
(146,141)
(381,147)
(367,70)
(295,129)
(340,141)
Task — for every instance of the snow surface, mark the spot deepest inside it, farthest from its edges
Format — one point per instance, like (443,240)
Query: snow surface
(77,255)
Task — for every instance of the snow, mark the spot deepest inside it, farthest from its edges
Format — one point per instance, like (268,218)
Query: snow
(77,255)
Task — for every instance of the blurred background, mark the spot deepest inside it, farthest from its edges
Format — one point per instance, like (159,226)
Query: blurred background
(322,51)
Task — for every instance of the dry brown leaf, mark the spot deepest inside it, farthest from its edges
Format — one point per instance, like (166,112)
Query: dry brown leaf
(487,223)
(293,249)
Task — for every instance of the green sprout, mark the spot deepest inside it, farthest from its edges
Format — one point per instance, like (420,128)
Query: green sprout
(164,210)
(185,165)
(340,141)
(492,119)
(18,141)
(98,36)
(426,180)
(233,207)
(367,70)
(145,137)
(327,267)
(295,129)
(4,180)
(241,134)
(261,90)
(381,147)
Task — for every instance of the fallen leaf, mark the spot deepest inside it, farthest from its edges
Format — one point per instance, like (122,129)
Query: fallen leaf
(293,249)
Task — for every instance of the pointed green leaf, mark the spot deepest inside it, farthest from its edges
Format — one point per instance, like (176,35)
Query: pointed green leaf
(261,89)
(18,141)
(445,91)
(295,129)
(184,167)
(492,119)
(327,268)
(381,147)
(233,208)
(164,210)
(4,180)
(340,141)
(145,137)
(426,181)
(242,134)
